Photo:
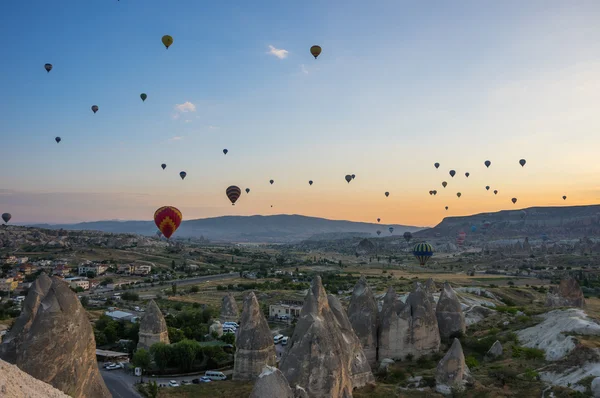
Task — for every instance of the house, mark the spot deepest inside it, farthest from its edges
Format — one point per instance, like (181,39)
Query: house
(7,285)
(124,269)
(97,269)
(22,260)
(78,281)
(10,260)
(61,270)
(140,269)
(291,308)
(120,316)
(26,269)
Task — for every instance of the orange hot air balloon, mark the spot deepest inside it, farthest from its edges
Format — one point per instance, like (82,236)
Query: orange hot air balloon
(167,219)
(233,193)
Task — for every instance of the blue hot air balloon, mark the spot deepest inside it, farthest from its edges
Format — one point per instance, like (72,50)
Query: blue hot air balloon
(423,252)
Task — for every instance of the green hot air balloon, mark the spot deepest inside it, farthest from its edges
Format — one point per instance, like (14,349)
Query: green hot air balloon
(143,96)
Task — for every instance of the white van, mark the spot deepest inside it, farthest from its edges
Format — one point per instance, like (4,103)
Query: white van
(277,339)
(214,375)
(284,340)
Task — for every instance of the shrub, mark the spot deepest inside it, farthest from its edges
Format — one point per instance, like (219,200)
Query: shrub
(396,376)
(410,357)
(531,374)
(504,375)
(527,353)
(471,362)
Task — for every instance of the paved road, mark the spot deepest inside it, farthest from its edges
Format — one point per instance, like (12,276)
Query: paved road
(120,384)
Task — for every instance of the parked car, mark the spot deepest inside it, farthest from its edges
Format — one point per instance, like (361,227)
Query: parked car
(185,382)
(106,365)
(277,339)
(204,379)
(114,366)
(173,383)
(284,341)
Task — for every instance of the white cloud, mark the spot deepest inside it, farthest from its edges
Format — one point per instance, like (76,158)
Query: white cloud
(213,127)
(176,138)
(303,69)
(185,107)
(187,121)
(278,52)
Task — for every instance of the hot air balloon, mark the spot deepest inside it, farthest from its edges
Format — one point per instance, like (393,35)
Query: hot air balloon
(48,67)
(452,173)
(459,194)
(564,197)
(437,165)
(143,96)
(6,217)
(378,233)
(487,163)
(514,200)
(460,239)
(434,192)
(310,182)
(315,51)
(486,224)
(487,187)
(467,174)
(430,192)
(164,166)
(379,219)
(225,151)
(348,178)
(407,236)
(247,190)
(94,108)
(495,192)
(353,176)
(271,181)
(167,219)
(391,229)
(523,213)
(182,174)
(444,183)
(167,41)
(423,252)
(446,207)
(58,139)
(473,228)
(233,193)
(387,194)
(522,162)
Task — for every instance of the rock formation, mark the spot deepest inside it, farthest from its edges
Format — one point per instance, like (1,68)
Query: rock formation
(254,343)
(596,387)
(451,371)
(216,327)
(568,294)
(14,383)
(271,383)
(12,340)
(362,314)
(409,328)
(495,351)
(359,365)
(450,317)
(323,355)
(153,328)
(57,344)
(229,309)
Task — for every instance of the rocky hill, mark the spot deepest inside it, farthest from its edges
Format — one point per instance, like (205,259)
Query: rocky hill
(277,228)
(552,222)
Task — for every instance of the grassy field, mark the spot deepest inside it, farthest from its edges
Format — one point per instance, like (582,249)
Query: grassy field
(217,389)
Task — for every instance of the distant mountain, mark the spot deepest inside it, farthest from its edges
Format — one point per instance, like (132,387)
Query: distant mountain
(272,229)
(533,222)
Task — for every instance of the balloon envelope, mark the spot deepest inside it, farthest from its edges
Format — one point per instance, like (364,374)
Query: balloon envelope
(452,173)
(407,236)
(310,182)
(167,219)
(94,108)
(48,67)
(353,176)
(487,187)
(446,207)
(423,252)
(437,165)
(444,183)
(467,174)
(182,174)
(57,139)
(391,229)
(233,193)
(522,162)
(487,163)
(379,219)
(6,217)
(143,96)
(459,194)
(348,178)
(271,181)
(495,192)
(225,151)
(315,51)
(514,200)
(387,194)
(247,190)
(164,166)
(167,41)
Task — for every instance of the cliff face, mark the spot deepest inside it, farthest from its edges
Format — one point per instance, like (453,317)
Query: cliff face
(14,383)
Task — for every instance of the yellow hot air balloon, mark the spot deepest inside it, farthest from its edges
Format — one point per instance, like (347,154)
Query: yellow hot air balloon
(167,41)
(315,51)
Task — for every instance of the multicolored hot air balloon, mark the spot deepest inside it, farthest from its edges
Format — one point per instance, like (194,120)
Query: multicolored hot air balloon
(348,178)
(486,224)
(310,182)
(423,252)
(407,236)
(514,200)
(487,187)
(225,151)
(467,174)
(143,96)
(495,192)
(444,183)
(182,174)
(167,219)
(387,194)
(459,194)
(233,193)
(271,181)
(167,41)
(437,165)
(391,229)
(487,163)
(378,233)
(164,166)
(564,197)
(452,173)
(58,139)
(315,51)
(94,108)
(48,67)
(6,217)
(522,162)
(247,190)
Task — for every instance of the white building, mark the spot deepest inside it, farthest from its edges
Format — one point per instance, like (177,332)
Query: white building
(78,281)
(97,269)
(121,316)
(291,308)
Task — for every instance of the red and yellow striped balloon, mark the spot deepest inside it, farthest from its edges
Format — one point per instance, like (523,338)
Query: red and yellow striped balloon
(233,193)
(167,219)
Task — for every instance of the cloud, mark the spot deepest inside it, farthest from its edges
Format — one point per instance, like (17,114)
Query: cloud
(176,138)
(211,127)
(185,107)
(303,69)
(187,121)
(278,52)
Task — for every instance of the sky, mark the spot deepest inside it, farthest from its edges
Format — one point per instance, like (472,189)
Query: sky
(399,86)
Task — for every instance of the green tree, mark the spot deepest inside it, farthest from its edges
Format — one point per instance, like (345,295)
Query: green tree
(228,338)
(111,333)
(175,335)
(162,354)
(90,274)
(194,289)
(186,352)
(152,389)
(174,288)
(85,301)
(142,359)
(173,264)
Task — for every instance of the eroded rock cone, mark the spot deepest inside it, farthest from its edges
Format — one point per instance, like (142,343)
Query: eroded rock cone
(318,358)
(362,314)
(14,383)
(153,328)
(451,371)
(449,313)
(568,294)
(424,332)
(11,343)
(229,309)
(254,343)
(271,383)
(359,365)
(59,347)
(495,351)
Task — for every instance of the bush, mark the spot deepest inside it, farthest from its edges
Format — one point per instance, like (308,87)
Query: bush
(471,362)
(130,296)
(410,357)
(504,375)
(531,374)
(527,353)
(396,376)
